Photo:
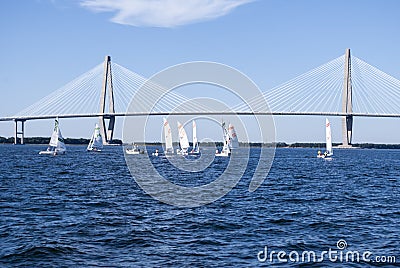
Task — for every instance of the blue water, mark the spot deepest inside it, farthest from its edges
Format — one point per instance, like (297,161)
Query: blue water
(84,209)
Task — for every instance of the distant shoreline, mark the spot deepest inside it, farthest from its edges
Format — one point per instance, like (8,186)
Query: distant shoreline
(46,140)
(82,141)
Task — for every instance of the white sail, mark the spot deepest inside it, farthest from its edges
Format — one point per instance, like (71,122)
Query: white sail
(224,131)
(56,144)
(183,139)
(54,137)
(60,140)
(96,141)
(225,149)
(328,138)
(195,142)
(60,144)
(226,144)
(233,142)
(90,145)
(168,137)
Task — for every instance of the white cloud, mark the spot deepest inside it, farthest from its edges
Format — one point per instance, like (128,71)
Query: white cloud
(163,13)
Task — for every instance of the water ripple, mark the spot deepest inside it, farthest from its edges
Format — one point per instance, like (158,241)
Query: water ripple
(85,210)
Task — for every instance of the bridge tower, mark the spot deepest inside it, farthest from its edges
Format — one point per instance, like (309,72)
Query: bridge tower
(16,133)
(347,104)
(107,132)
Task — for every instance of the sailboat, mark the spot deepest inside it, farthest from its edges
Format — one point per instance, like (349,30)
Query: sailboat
(169,149)
(96,141)
(183,140)
(226,151)
(233,142)
(195,148)
(134,150)
(329,151)
(56,144)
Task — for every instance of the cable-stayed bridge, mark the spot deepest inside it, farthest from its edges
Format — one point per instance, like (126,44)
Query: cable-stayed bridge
(346,86)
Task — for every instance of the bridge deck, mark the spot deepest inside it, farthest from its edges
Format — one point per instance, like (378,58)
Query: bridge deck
(240,113)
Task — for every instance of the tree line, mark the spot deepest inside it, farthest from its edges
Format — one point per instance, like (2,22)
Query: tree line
(80,141)
(46,140)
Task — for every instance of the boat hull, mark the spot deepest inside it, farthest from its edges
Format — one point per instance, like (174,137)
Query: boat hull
(197,152)
(94,150)
(132,152)
(51,152)
(182,152)
(325,156)
(46,152)
(223,154)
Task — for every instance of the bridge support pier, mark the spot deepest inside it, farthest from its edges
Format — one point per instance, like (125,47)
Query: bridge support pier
(347,104)
(22,132)
(347,130)
(107,132)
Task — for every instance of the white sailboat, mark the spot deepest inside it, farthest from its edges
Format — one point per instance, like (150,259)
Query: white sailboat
(233,142)
(169,149)
(56,144)
(195,148)
(96,141)
(183,140)
(329,151)
(134,150)
(226,151)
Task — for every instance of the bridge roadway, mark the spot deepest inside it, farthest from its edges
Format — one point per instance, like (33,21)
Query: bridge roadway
(239,113)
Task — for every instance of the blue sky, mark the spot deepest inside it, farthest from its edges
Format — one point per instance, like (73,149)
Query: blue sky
(47,43)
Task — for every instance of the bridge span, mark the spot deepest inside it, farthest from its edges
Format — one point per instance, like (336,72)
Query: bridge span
(346,87)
